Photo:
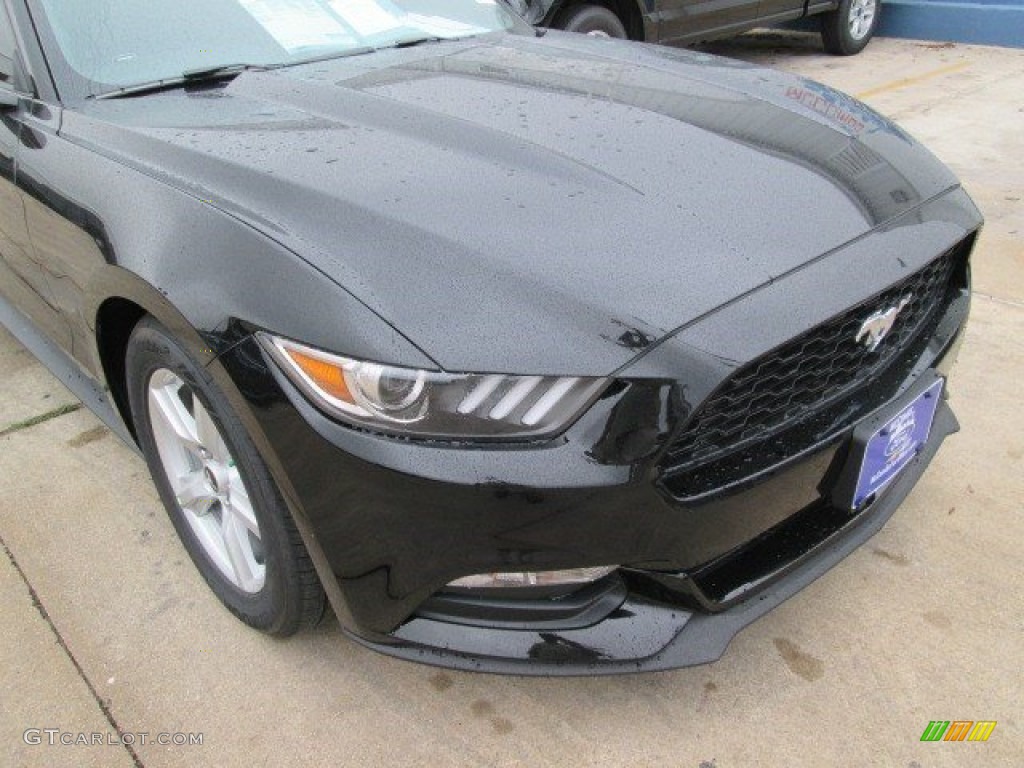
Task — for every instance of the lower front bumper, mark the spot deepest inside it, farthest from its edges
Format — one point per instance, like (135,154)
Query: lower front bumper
(644,635)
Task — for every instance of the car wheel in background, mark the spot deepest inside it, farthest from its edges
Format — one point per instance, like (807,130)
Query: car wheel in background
(846,30)
(593,20)
(216,488)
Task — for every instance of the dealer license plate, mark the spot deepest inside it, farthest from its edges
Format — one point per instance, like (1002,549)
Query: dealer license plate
(896,443)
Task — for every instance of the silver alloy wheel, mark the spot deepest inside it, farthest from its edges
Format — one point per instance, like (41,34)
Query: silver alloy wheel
(205,481)
(862,16)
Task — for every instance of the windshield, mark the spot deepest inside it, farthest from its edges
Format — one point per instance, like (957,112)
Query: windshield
(120,43)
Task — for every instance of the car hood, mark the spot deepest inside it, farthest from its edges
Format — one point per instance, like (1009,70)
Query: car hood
(533,205)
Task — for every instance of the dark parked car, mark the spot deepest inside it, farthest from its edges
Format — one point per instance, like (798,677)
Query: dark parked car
(530,353)
(846,25)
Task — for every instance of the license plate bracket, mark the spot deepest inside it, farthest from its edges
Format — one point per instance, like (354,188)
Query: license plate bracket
(885,443)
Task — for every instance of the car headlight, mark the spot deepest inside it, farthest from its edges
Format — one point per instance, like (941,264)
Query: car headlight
(461,406)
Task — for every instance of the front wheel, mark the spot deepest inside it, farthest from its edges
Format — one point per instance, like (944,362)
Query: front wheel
(594,20)
(216,488)
(846,30)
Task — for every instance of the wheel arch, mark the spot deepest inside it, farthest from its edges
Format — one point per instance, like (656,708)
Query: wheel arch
(115,303)
(115,321)
(209,277)
(118,302)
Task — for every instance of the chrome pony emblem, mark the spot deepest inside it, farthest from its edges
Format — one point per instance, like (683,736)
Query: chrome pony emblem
(877,326)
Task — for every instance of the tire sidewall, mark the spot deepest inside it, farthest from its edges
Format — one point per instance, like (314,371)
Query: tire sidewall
(150,349)
(585,19)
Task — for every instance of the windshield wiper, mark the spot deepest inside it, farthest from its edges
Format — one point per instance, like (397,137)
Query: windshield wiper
(224,71)
(409,42)
(230,71)
(188,77)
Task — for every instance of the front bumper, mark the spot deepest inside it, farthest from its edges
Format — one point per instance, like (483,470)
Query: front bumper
(389,523)
(644,635)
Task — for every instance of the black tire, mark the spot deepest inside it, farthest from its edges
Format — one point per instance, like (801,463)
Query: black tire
(591,20)
(291,596)
(836,33)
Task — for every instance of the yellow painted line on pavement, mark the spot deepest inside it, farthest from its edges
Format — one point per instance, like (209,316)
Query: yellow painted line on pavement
(905,81)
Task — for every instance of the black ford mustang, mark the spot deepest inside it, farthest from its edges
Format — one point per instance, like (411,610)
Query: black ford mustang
(530,353)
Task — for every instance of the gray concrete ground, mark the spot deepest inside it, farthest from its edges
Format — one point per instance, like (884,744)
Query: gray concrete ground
(106,625)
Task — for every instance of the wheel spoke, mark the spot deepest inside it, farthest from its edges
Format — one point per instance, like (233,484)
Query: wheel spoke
(861,17)
(238,548)
(166,405)
(208,434)
(240,503)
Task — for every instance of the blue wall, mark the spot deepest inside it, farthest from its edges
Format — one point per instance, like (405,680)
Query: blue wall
(988,22)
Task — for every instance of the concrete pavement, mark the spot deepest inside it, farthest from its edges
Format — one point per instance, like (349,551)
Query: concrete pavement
(108,628)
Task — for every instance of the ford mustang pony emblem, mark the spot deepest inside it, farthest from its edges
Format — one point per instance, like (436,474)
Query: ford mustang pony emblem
(878,325)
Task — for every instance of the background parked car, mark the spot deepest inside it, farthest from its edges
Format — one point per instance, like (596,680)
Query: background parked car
(846,25)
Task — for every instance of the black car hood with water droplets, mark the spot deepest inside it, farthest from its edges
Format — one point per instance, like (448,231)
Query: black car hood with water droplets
(533,205)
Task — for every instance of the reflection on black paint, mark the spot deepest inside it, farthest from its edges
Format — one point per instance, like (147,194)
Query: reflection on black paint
(32,139)
(247,366)
(834,151)
(7,160)
(639,423)
(556,648)
(72,212)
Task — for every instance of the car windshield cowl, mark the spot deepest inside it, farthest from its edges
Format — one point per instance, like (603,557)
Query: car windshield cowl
(113,48)
(231,71)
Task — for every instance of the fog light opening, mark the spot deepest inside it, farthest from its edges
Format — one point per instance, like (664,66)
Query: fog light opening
(521,579)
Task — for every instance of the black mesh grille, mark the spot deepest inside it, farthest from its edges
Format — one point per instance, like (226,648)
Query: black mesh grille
(810,373)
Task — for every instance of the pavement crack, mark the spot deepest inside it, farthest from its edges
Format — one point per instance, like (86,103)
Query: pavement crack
(990,297)
(64,410)
(34,596)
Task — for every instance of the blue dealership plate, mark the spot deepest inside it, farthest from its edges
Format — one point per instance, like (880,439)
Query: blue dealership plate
(896,443)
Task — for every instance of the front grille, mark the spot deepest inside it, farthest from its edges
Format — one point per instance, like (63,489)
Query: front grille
(811,373)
